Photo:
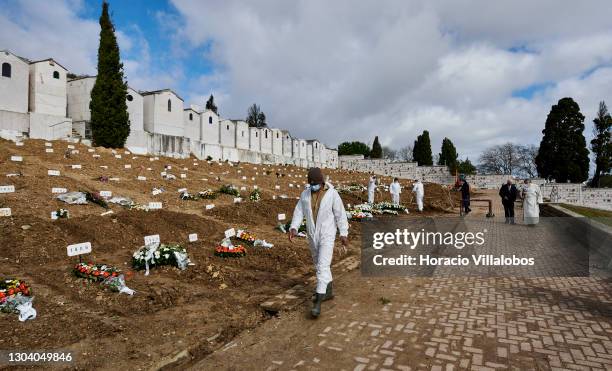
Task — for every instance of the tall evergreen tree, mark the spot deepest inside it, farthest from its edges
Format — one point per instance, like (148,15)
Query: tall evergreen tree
(466,167)
(376,149)
(448,155)
(110,123)
(255,117)
(421,152)
(601,145)
(210,104)
(563,154)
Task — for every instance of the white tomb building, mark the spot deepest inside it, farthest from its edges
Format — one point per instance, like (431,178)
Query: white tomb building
(14,91)
(163,118)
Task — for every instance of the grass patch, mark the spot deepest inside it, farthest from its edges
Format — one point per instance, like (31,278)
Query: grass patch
(602,216)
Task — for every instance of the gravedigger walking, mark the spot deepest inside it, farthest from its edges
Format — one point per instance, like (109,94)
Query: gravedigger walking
(323,209)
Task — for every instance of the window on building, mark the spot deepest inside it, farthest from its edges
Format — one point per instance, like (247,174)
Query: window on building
(277,136)
(266,133)
(242,133)
(6,70)
(227,127)
(130,98)
(191,117)
(316,145)
(255,134)
(169,105)
(55,75)
(210,120)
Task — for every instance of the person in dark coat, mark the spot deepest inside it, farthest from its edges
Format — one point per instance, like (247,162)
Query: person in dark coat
(508,194)
(465,196)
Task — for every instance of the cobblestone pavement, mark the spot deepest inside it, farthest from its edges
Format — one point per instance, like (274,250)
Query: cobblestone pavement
(439,323)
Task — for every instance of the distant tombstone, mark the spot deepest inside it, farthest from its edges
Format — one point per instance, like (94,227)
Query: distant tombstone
(154,238)
(140,177)
(210,206)
(155,205)
(16,158)
(78,249)
(106,194)
(230,233)
(193,237)
(76,166)
(58,190)
(49,150)
(53,172)
(5,211)
(127,166)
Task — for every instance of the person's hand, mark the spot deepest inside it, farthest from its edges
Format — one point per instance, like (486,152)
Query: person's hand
(292,233)
(343,244)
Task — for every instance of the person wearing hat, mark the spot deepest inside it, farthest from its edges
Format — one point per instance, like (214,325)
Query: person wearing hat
(321,206)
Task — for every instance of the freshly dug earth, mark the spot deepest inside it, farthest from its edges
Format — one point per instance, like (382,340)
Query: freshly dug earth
(199,308)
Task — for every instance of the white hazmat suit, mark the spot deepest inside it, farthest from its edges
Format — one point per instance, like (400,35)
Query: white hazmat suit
(395,189)
(532,198)
(419,193)
(321,235)
(371,189)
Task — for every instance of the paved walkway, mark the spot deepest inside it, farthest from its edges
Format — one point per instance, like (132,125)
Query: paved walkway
(437,323)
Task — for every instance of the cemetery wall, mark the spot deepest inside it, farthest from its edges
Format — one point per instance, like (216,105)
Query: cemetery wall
(578,194)
(14,88)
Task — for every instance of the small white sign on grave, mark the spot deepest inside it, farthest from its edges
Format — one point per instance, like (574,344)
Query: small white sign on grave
(127,166)
(58,190)
(154,238)
(47,144)
(5,211)
(70,146)
(151,159)
(277,187)
(90,150)
(19,144)
(281,217)
(7,189)
(76,166)
(181,190)
(155,205)
(243,178)
(113,179)
(106,194)
(16,158)
(210,206)
(140,177)
(127,153)
(163,173)
(193,237)
(230,233)
(243,188)
(53,173)
(183,176)
(74,152)
(290,185)
(49,150)
(95,155)
(253,178)
(237,200)
(117,156)
(274,197)
(79,248)
(185,169)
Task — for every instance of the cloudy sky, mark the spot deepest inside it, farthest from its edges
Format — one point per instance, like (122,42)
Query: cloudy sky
(479,72)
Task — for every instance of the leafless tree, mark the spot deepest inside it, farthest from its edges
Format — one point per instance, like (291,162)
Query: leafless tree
(509,159)
(404,153)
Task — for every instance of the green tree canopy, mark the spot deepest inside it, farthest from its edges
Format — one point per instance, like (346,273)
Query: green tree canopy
(255,117)
(353,148)
(421,151)
(601,145)
(448,155)
(110,123)
(466,167)
(210,104)
(563,154)
(377,151)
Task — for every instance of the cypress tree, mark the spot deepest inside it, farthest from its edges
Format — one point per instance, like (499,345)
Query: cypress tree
(563,154)
(421,152)
(376,149)
(210,104)
(601,145)
(448,155)
(110,123)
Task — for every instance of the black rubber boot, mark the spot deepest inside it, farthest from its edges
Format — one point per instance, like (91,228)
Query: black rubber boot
(316,308)
(329,294)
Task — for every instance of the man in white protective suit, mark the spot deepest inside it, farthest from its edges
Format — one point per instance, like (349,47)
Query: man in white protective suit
(371,189)
(532,198)
(395,189)
(323,209)
(419,193)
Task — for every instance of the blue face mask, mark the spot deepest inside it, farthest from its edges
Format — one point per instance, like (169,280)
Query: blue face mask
(315,187)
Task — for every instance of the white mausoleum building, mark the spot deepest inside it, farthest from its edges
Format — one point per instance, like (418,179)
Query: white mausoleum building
(38,100)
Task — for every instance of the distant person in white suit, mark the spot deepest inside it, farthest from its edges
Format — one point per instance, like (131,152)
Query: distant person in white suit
(371,189)
(532,198)
(395,189)
(419,193)
(323,209)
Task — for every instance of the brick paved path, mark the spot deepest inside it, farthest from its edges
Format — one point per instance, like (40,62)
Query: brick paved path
(439,323)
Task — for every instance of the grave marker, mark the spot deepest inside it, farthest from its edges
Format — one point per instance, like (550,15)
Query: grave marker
(155,205)
(154,238)
(59,190)
(47,144)
(70,146)
(19,144)
(49,150)
(5,211)
(76,166)
(183,176)
(106,194)
(53,173)
(16,158)
(281,217)
(127,166)
(210,206)
(79,249)
(193,237)
(140,177)
(230,233)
